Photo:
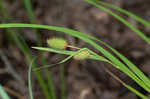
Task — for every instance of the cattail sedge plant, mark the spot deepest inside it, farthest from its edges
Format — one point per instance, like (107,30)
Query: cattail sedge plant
(82,54)
(125,65)
(88,39)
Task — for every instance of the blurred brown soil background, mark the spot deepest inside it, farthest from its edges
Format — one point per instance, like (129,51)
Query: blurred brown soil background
(83,79)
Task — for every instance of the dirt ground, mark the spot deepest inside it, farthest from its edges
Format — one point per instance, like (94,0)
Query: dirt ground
(83,79)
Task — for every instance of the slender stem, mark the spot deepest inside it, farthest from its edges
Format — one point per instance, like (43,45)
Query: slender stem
(125,85)
(62,68)
(63,81)
(73,47)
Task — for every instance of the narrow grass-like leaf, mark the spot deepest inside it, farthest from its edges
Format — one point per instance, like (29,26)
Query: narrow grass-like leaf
(133,67)
(80,51)
(3,94)
(128,62)
(94,57)
(32,19)
(77,34)
(138,32)
(135,91)
(125,85)
(38,42)
(29,79)
(137,18)
(22,45)
(65,52)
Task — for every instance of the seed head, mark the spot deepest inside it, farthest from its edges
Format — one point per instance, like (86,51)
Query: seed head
(58,43)
(82,55)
